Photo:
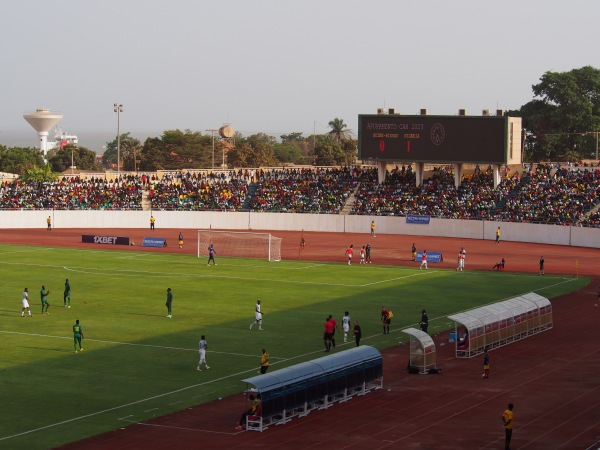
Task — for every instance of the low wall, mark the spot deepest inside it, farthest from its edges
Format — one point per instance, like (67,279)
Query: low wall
(469,229)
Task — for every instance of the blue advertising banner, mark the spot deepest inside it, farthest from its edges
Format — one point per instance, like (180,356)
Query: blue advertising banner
(416,219)
(154,242)
(432,257)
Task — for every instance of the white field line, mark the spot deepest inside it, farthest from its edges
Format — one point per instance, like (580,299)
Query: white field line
(132,344)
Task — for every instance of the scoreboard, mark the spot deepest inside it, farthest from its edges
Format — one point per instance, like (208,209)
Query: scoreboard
(433,139)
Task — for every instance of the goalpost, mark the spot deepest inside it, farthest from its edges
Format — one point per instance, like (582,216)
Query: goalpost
(240,244)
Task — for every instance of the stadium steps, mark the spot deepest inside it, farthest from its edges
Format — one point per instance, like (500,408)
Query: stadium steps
(347,209)
(146,204)
(251,193)
(524,181)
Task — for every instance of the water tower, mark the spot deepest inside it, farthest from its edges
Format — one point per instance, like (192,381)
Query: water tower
(42,121)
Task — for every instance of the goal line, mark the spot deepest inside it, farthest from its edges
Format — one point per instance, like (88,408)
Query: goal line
(243,244)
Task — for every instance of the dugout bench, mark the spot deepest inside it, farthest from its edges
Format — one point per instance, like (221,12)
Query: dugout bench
(299,389)
(502,323)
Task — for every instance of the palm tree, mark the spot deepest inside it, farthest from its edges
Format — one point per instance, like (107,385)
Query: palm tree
(339,130)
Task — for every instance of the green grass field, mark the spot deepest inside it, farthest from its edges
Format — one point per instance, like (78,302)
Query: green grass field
(138,364)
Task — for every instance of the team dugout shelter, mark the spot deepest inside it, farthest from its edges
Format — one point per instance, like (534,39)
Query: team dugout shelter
(297,390)
(501,323)
(422,351)
(390,138)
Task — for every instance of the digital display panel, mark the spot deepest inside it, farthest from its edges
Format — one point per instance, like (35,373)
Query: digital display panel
(434,139)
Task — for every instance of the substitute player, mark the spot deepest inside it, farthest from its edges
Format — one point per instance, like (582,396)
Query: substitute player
(349,252)
(346,325)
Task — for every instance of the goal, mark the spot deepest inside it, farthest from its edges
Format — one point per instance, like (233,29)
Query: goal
(240,244)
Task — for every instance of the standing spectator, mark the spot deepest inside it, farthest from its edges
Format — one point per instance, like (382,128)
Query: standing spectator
(67,294)
(302,243)
(180,239)
(77,336)
(423,260)
(357,333)
(152,220)
(368,254)
(541,265)
(44,298)
(334,327)
(498,235)
(424,323)
(373,228)
(25,303)
(346,325)
(349,252)
(328,330)
(169,303)
(202,347)
(362,255)
(211,255)
(257,316)
(486,364)
(413,251)
(386,319)
(464,258)
(264,362)
(507,420)
(49,224)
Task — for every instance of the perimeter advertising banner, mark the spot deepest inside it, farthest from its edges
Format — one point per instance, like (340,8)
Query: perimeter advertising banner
(154,242)
(417,219)
(110,240)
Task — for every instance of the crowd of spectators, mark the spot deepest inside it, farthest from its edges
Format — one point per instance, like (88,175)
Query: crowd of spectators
(558,196)
(73,193)
(199,191)
(541,194)
(319,190)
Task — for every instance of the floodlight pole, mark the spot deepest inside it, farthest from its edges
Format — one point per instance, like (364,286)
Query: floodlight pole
(213,146)
(118,109)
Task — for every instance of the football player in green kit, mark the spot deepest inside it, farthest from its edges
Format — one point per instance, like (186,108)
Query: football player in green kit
(77,336)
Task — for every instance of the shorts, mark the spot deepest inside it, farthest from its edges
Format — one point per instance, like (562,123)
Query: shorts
(258,316)
(25,303)
(346,328)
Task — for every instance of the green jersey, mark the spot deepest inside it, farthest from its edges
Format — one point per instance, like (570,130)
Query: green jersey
(67,288)
(43,295)
(77,330)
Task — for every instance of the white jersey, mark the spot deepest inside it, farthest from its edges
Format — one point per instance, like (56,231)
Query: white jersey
(257,313)
(346,323)
(25,300)
(202,345)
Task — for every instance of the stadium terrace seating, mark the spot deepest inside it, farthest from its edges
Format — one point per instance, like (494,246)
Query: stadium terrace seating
(543,194)
(316,190)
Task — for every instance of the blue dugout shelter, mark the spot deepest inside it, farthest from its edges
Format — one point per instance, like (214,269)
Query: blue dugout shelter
(317,384)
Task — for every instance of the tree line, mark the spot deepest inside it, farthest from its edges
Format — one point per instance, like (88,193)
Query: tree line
(560,123)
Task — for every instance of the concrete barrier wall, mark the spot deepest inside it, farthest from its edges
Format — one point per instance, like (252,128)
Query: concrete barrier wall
(468,229)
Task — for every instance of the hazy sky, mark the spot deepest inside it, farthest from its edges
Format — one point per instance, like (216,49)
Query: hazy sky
(278,66)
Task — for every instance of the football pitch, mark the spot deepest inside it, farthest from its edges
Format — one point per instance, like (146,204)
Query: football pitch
(138,364)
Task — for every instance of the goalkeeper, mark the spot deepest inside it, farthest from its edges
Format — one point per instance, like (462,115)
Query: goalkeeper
(211,255)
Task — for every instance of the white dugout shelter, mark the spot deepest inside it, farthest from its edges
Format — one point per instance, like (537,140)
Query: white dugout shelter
(501,323)
(422,350)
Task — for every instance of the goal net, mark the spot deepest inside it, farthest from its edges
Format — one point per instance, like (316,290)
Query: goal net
(240,244)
